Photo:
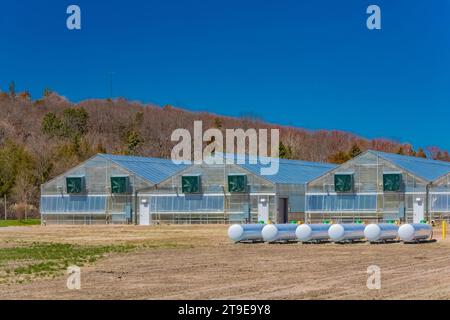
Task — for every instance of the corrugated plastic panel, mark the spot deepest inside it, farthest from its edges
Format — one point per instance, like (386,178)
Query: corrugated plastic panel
(289,171)
(424,168)
(154,170)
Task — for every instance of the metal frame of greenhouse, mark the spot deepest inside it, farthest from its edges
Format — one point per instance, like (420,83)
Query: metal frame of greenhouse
(300,191)
(155,192)
(368,199)
(97,203)
(277,198)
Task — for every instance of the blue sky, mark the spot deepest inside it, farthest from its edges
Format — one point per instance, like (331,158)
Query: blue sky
(310,64)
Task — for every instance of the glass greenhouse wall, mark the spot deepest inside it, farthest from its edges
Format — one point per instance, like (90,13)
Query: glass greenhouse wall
(440,198)
(380,191)
(97,202)
(371,187)
(218,201)
(102,189)
(212,202)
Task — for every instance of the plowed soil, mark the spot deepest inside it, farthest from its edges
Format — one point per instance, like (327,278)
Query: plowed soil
(199,262)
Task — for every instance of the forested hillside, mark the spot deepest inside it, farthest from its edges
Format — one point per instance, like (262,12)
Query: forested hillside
(42,138)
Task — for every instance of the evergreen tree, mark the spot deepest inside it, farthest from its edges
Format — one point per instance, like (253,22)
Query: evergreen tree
(354,151)
(218,123)
(72,124)
(51,125)
(12,89)
(285,152)
(47,92)
(132,141)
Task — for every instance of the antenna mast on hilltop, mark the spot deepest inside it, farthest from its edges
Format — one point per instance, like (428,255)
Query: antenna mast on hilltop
(111,84)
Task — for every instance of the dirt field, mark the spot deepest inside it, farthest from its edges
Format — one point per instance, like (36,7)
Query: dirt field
(198,262)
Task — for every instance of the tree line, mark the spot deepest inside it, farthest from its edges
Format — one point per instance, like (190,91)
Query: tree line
(42,138)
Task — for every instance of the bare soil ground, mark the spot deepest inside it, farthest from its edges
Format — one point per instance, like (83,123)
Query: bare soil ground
(199,262)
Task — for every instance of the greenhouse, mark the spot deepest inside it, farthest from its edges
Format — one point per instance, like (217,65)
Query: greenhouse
(227,193)
(377,186)
(126,189)
(101,189)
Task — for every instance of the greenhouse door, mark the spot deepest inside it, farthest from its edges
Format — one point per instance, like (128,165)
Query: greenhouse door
(263,211)
(282,210)
(144,214)
(418,210)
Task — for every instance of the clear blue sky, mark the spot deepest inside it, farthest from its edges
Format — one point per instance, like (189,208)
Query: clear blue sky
(311,64)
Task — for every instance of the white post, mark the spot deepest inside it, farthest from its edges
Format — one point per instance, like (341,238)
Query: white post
(6,216)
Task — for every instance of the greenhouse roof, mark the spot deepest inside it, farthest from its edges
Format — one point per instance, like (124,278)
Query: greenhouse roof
(425,168)
(289,171)
(154,170)
(157,170)
(293,171)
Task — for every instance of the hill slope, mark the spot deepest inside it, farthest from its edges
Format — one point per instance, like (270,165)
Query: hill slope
(43,138)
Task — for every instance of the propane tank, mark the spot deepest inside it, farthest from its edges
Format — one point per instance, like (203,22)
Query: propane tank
(311,232)
(279,232)
(245,232)
(415,231)
(346,231)
(382,231)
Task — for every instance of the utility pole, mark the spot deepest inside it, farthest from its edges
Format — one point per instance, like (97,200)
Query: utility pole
(111,84)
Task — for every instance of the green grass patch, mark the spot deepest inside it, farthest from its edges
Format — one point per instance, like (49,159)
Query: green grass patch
(47,259)
(165,245)
(16,223)
(22,261)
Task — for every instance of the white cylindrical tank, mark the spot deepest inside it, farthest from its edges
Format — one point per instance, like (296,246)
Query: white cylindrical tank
(415,231)
(381,231)
(311,232)
(346,231)
(245,232)
(279,232)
